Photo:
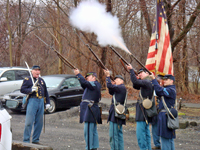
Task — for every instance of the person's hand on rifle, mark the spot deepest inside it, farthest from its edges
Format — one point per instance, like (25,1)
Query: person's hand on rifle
(107,72)
(129,67)
(152,76)
(76,71)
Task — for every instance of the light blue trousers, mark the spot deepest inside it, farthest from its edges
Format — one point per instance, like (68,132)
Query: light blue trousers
(116,136)
(34,115)
(143,135)
(167,144)
(156,138)
(91,135)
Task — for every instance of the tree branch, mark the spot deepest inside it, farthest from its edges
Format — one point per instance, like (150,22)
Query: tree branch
(187,27)
(146,16)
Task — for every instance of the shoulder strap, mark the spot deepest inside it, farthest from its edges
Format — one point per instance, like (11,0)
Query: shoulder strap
(142,97)
(124,100)
(166,108)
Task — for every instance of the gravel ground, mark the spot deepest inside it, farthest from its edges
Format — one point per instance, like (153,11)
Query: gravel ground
(64,132)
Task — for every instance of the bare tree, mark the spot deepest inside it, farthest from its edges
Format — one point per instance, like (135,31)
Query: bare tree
(9,31)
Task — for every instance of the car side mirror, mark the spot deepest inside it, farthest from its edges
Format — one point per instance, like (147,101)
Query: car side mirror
(64,87)
(3,79)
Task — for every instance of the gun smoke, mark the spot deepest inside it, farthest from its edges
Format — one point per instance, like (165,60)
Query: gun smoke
(91,16)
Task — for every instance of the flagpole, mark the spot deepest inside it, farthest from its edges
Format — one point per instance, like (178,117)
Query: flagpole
(156,44)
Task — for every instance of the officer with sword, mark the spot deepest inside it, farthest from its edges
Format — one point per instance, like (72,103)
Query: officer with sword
(36,90)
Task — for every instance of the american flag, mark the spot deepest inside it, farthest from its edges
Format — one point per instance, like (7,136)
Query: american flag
(159,58)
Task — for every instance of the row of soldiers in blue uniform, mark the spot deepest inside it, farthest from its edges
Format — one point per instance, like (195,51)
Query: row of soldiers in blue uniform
(90,113)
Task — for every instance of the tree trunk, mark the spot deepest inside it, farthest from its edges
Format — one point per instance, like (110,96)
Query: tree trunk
(101,74)
(59,39)
(185,53)
(143,7)
(9,32)
(18,52)
(104,51)
(78,44)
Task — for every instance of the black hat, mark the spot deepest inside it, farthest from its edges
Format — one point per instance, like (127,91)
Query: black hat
(141,70)
(174,112)
(91,73)
(159,76)
(119,76)
(169,76)
(35,67)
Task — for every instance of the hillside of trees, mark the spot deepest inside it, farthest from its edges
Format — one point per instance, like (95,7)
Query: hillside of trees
(21,20)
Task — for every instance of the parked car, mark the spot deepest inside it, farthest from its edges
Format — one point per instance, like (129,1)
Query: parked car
(65,91)
(5,129)
(11,79)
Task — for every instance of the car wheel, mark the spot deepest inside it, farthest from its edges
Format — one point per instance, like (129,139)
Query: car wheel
(52,108)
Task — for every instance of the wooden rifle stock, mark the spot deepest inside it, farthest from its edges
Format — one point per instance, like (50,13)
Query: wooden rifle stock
(98,60)
(64,60)
(122,60)
(141,64)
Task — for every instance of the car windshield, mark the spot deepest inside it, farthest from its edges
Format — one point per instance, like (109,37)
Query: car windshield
(1,71)
(52,82)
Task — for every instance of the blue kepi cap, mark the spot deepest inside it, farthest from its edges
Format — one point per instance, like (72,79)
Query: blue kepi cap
(91,73)
(35,67)
(169,76)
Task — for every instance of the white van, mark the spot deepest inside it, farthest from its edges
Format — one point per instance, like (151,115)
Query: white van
(5,129)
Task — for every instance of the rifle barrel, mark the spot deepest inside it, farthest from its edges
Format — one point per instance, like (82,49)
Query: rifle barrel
(100,62)
(65,60)
(119,55)
(140,63)
(58,53)
(122,59)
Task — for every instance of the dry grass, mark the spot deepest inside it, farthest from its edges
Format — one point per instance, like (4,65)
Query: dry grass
(189,111)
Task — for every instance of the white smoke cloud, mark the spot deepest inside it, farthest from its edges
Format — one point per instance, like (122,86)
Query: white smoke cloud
(91,16)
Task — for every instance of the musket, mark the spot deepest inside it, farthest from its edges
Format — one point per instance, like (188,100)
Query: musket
(122,60)
(140,64)
(98,60)
(66,62)
(136,60)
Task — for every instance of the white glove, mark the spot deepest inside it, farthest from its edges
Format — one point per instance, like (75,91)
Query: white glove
(47,106)
(34,88)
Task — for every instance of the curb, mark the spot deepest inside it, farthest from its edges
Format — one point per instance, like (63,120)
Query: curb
(17,145)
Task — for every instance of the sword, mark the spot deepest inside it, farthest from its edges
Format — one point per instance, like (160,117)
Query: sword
(30,72)
(44,121)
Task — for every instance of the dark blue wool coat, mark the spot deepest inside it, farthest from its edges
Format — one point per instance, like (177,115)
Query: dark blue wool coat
(120,93)
(92,91)
(27,84)
(146,88)
(169,93)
